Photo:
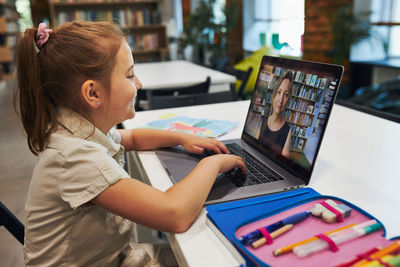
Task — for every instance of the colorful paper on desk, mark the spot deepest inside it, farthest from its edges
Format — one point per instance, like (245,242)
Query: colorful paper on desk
(201,127)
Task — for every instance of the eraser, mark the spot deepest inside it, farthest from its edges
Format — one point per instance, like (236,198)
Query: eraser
(328,216)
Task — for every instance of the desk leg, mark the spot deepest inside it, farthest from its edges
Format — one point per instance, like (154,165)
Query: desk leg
(180,258)
(142,234)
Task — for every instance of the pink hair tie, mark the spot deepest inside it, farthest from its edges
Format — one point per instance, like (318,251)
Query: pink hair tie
(42,35)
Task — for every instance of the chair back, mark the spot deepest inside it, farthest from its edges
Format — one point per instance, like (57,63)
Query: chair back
(159,102)
(11,223)
(242,76)
(200,88)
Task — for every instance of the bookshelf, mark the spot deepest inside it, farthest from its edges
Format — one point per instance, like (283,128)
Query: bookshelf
(8,38)
(323,113)
(140,20)
(306,94)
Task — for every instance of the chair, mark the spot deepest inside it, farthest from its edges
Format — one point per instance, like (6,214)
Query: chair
(11,223)
(159,102)
(242,76)
(168,93)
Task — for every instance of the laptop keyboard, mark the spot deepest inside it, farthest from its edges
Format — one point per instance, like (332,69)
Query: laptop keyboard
(257,173)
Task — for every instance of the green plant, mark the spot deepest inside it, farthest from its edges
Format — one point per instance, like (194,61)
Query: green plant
(348,28)
(205,33)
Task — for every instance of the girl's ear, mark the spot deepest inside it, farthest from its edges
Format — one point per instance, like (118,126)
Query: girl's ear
(91,93)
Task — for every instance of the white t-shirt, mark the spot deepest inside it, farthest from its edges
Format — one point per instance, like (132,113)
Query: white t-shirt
(63,228)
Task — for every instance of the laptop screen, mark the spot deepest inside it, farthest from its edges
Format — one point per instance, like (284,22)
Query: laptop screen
(289,111)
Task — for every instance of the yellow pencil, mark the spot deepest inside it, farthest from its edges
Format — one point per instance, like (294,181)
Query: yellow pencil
(376,263)
(274,234)
(289,248)
(387,250)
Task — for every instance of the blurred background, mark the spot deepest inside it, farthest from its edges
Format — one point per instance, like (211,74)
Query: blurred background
(361,35)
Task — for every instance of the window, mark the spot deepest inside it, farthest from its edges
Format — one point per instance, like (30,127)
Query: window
(384,42)
(394,37)
(272,23)
(386,12)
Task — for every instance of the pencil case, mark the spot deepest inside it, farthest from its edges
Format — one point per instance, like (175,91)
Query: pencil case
(310,227)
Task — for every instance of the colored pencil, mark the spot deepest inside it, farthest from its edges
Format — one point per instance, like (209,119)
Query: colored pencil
(358,258)
(289,248)
(387,250)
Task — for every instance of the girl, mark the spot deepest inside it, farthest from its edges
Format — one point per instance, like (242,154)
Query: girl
(73,85)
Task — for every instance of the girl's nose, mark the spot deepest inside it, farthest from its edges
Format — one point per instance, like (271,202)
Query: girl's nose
(138,84)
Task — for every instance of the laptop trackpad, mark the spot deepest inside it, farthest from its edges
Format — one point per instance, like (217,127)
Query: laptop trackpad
(179,169)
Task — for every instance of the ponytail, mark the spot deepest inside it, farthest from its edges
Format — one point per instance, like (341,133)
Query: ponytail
(34,110)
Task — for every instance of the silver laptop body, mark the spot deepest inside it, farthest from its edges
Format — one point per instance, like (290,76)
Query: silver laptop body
(314,89)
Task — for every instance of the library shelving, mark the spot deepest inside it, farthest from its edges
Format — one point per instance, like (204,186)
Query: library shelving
(322,115)
(140,20)
(8,37)
(307,90)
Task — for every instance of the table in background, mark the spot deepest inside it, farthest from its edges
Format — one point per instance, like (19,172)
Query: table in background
(179,73)
(358,161)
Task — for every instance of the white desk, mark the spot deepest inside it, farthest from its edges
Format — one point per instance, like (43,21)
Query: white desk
(170,74)
(358,161)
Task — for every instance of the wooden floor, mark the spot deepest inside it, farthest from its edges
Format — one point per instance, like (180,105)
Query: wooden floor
(16,166)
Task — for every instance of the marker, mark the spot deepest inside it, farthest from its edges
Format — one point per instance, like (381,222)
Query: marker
(358,258)
(387,250)
(337,238)
(275,234)
(251,237)
(376,263)
(289,248)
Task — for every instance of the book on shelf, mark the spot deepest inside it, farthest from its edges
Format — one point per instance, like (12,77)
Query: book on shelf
(313,79)
(272,83)
(8,40)
(264,76)
(141,42)
(301,78)
(258,109)
(322,116)
(123,17)
(317,82)
(307,79)
(310,109)
(323,83)
(295,89)
(300,143)
(299,131)
(318,97)
(278,71)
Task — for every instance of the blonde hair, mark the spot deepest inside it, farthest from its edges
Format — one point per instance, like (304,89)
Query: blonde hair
(51,77)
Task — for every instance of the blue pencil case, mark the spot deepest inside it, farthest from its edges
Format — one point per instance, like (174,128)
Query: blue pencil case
(238,218)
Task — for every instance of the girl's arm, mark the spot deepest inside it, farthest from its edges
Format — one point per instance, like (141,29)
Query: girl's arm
(173,210)
(147,139)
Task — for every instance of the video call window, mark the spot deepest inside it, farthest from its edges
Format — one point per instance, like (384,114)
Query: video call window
(288,110)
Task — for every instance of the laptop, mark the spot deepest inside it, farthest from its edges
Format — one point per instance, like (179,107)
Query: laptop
(300,94)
